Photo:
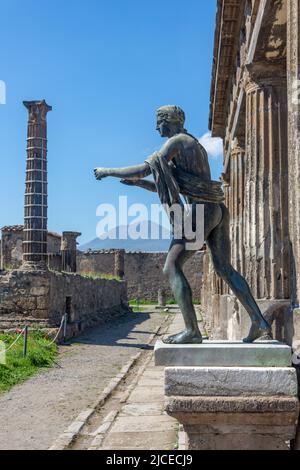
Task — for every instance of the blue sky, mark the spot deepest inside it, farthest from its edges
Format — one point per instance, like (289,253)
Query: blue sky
(105,67)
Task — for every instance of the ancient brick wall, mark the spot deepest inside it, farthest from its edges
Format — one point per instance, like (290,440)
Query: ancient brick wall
(39,298)
(96,262)
(53,243)
(11,249)
(143,272)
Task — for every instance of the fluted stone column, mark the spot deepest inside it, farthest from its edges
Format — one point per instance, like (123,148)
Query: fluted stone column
(69,251)
(228,203)
(266,234)
(293,72)
(237,166)
(36,194)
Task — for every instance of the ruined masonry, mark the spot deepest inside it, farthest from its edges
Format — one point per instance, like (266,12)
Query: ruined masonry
(30,292)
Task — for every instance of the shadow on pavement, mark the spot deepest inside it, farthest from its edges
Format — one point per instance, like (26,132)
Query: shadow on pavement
(121,332)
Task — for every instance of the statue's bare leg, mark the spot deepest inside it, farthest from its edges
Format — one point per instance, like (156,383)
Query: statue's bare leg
(219,245)
(183,294)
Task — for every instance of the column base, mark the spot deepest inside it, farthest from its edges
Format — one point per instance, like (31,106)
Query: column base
(34,266)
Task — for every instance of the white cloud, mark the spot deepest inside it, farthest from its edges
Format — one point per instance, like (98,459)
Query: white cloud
(213,145)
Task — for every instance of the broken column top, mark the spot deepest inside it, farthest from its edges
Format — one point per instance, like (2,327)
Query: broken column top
(40,103)
(224,354)
(37,110)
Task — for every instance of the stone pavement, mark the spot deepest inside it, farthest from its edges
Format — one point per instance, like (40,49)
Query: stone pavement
(140,422)
(34,413)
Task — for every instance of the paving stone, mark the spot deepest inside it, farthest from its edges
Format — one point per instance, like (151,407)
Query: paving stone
(152,382)
(147,424)
(166,440)
(75,427)
(143,409)
(103,428)
(145,395)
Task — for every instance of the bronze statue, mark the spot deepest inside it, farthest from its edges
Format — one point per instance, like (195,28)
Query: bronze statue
(181,168)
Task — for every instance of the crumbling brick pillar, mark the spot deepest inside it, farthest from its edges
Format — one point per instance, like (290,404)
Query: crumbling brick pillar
(69,251)
(36,193)
(266,234)
(120,263)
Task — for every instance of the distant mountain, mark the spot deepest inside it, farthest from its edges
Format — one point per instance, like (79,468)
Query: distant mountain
(148,246)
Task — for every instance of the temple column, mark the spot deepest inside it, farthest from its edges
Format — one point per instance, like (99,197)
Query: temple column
(36,193)
(226,178)
(237,165)
(293,75)
(266,233)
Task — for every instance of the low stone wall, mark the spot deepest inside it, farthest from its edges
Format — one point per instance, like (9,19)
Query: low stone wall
(42,298)
(143,272)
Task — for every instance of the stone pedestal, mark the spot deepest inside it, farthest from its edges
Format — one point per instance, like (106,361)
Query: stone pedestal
(224,354)
(249,405)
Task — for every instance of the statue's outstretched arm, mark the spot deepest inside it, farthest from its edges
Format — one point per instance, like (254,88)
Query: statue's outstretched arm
(128,173)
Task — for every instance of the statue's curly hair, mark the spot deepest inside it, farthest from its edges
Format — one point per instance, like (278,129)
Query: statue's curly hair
(171,113)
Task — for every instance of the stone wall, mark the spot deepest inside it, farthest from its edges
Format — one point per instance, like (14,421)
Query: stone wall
(42,298)
(11,248)
(53,243)
(143,272)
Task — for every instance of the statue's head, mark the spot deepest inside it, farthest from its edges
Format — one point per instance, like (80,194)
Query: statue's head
(170,120)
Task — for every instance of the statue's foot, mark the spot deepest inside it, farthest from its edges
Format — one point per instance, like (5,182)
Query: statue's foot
(259,331)
(186,337)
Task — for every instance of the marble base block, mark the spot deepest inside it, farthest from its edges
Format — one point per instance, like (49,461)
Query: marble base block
(224,354)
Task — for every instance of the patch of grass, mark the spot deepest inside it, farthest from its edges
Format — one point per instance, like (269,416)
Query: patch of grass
(171,302)
(93,275)
(40,354)
(136,302)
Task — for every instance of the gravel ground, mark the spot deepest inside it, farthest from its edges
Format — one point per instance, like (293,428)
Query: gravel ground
(35,413)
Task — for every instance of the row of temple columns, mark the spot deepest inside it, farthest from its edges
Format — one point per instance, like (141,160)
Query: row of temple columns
(256,191)
(293,85)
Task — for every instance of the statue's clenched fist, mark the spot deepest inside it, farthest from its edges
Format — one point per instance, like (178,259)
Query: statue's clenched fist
(100,173)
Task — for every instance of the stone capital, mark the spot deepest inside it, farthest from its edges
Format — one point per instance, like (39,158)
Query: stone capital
(37,110)
(238,146)
(68,240)
(259,76)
